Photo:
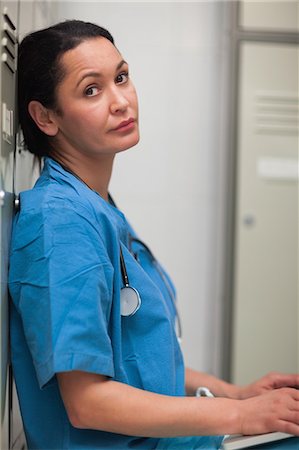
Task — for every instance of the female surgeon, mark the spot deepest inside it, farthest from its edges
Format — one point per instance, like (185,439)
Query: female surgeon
(95,355)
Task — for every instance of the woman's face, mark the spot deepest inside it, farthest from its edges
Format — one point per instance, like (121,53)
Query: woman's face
(97,102)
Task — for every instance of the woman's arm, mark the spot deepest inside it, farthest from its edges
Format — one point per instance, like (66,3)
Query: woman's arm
(220,388)
(95,402)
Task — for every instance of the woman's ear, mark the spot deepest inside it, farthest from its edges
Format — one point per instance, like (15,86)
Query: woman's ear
(43,117)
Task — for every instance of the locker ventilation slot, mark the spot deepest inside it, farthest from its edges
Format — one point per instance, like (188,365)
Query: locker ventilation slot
(8,42)
(276,112)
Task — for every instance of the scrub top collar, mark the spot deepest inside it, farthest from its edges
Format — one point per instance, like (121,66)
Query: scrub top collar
(55,170)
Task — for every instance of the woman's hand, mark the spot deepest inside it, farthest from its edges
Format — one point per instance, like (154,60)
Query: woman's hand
(273,380)
(277,410)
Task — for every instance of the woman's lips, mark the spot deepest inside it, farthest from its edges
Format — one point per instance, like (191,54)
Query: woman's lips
(125,125)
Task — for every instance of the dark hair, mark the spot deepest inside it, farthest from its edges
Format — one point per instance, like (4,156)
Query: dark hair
(39,72)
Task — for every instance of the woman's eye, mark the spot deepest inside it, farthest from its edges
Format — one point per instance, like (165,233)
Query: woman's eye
(91,91)
(122,78)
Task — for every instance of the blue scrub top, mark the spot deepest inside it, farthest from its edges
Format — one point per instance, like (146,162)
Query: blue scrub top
(65,282)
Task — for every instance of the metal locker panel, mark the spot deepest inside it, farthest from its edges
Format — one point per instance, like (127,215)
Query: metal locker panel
(8,25)
(265,306)
(281,15)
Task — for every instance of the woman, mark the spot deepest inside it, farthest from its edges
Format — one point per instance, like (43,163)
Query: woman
(96,365)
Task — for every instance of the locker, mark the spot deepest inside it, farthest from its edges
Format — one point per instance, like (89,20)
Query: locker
(8,25)
(266,246)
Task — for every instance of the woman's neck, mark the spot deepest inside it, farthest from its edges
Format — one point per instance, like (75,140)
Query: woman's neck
(95,172)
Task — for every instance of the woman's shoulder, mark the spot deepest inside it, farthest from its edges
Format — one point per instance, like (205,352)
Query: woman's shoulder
(57,189)
(51,200)
(59,199)
(55,203)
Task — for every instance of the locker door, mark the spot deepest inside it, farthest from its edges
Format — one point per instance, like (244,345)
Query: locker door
(8,22)
(266,269)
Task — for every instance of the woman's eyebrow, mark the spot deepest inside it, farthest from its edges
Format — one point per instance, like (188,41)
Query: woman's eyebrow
(121,63)
(98,74)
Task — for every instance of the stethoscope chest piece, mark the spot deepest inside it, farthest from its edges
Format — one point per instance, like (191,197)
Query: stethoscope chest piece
(129,301)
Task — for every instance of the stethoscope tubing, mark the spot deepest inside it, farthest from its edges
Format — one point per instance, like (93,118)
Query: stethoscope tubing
(161,274)
(123,268)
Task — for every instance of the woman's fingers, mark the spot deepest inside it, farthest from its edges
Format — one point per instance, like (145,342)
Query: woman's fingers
(277,410)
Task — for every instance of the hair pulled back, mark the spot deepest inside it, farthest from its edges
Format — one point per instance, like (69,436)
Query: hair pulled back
(40,72)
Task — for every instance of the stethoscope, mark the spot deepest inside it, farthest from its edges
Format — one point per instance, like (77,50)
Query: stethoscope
(130,300)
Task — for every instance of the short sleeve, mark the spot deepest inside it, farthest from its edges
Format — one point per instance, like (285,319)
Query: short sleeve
(61,282)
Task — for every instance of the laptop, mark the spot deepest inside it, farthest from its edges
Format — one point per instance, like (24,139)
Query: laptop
(238,441)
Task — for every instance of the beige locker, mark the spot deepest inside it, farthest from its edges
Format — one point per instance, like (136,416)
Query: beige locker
(265,303)
(269,15)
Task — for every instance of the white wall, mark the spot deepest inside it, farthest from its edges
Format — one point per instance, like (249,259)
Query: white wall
(171,185)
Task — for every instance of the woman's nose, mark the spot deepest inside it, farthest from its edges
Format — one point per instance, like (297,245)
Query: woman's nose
(119,101)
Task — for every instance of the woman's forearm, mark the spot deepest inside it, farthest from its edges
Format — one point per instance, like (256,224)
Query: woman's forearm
(97,403)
